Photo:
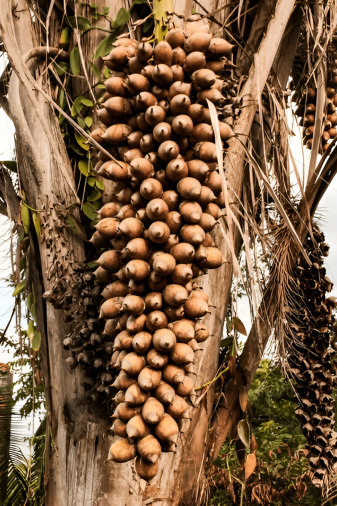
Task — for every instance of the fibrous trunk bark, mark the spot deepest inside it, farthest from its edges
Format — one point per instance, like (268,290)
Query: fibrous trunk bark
(77,471)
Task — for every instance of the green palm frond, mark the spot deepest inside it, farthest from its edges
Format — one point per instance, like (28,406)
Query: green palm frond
(21,479)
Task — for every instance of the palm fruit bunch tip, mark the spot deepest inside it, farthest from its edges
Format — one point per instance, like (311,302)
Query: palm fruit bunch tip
(310,359)
(164,199)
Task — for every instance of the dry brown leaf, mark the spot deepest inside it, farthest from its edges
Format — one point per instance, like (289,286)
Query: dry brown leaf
(243,397)
(253,444)
(239,326)
(250,465)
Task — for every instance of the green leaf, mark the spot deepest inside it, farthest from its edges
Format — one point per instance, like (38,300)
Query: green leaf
(30,300)
(99,185)
(10,164)
(239,326)
(101,86)
(87,102)
(77,149)
(94,195)
(19,288)
(88,121)
(105,46)
(32,311)
(95,70)
(81,122)
(92,265)
(97,205)
(82,141)
(123,16)
(244,432)
(228,324)
(61,68)
(30,330)
(148,24)
(106,11)
(21,233)
(22,264)
(91,181)
(138,2)
(25,217)
(77,106)
(65,36)
(37,224)
(36,341)
(106,73)
(226,342)
(75,62)
(62,100)
(85,167)
(79,22)
(89,210)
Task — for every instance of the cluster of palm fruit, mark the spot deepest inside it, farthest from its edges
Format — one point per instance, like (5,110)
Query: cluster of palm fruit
(310,358)
(307,111)
(164,199)
(80,300)
(90,350)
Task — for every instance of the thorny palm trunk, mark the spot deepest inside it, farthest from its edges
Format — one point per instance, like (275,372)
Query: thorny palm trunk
(78,436)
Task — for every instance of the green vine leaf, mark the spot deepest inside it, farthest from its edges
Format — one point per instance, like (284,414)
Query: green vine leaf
(37,224)
(91,181)
(75,62)
(137,2)
(65,37)
(30,330)
(77,149)
(94,195)
(10,164)
(19,288)
(85,166)
(82,141)
(79,22)
(30,300)
(81,122)
(61,68)
(62,99)
(224,343)
(95,70)
(88,121)
(105,46)
(89,210)
(77,106)
(123,16)
(25,218)
(87,102)
(36,341)
(99,185)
